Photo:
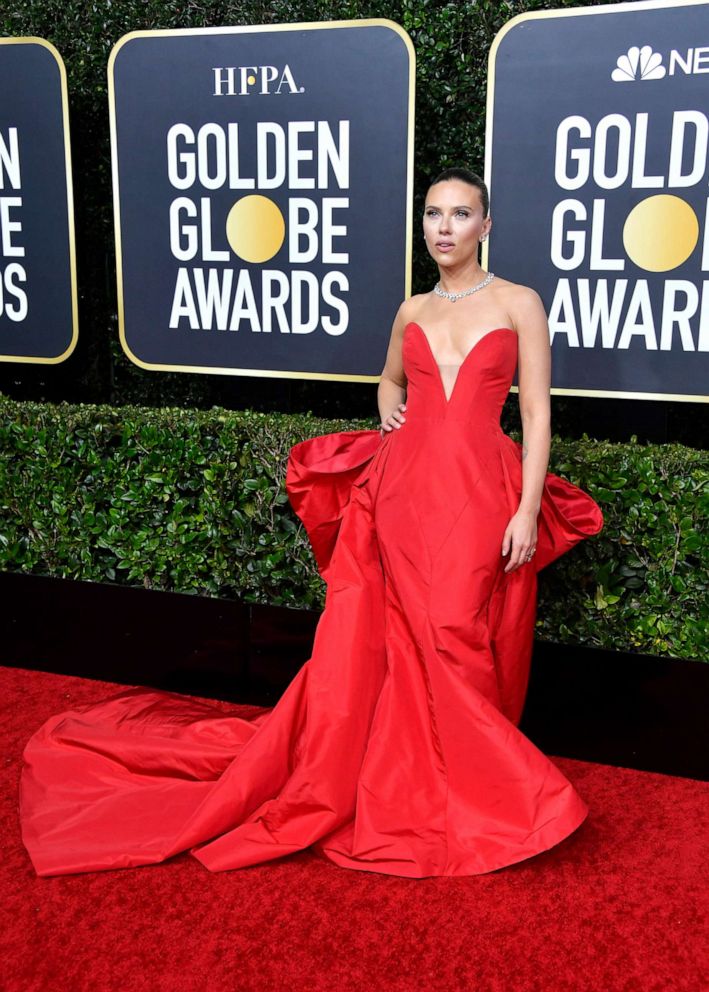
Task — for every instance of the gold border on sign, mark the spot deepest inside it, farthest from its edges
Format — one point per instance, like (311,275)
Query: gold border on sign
(634,5)
(34,359)
(253,29)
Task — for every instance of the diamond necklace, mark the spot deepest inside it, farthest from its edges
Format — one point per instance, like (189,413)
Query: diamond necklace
(466,292)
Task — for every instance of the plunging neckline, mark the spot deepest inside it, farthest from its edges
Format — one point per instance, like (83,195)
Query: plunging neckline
(448,399)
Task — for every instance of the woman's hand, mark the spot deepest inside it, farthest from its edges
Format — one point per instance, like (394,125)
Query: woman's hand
(392,421)
(520,538)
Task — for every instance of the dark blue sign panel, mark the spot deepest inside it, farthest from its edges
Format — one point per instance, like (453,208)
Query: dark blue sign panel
(597,155)
(262,183)
(38,312)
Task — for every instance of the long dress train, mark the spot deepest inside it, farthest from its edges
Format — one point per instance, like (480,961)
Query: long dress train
(395,748)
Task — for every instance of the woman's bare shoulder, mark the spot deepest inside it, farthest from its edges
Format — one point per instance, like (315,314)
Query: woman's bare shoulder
(411,307)
(522,303)
(517,292)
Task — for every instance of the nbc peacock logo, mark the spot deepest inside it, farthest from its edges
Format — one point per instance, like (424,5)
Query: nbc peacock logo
(638,63)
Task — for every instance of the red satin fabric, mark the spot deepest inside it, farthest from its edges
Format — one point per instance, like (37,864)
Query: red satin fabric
(395,749)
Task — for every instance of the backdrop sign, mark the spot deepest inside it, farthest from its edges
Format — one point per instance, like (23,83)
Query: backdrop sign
(38,311)
(262,184)
(598,133)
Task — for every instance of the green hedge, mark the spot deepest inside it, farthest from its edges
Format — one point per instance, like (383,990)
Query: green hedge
(195,502)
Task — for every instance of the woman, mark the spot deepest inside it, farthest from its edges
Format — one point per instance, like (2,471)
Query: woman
(456,221)
(395,748)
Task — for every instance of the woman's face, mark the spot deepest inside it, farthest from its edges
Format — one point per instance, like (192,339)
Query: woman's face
(453,222)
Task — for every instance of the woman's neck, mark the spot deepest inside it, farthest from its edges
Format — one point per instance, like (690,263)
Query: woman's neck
(455,280)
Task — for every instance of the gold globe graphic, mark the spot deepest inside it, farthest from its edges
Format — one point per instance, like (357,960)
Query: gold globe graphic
(660,233)
(255,228)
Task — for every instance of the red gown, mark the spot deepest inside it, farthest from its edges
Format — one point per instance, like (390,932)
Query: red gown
(395,748)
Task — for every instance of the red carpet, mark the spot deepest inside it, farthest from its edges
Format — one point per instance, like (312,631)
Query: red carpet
(618,906)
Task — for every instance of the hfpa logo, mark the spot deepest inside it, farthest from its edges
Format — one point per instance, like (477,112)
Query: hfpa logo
(248,80)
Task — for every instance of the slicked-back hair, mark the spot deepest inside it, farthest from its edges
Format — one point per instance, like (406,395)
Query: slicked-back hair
(466,176)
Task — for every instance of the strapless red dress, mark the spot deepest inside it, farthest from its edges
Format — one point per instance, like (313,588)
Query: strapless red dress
(395,749)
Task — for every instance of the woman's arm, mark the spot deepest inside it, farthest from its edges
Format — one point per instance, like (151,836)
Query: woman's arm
(534,381)
(391,392)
